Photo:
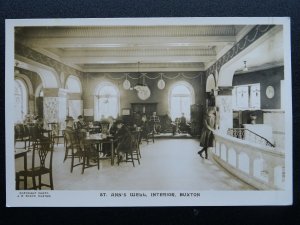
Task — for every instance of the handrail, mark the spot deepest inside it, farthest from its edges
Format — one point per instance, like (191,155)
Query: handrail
(241,135)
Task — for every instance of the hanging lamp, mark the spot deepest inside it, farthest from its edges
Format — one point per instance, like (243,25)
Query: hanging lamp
(161,83)
(126,83)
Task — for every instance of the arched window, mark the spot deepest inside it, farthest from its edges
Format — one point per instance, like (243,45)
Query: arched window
(21,99)
(181,98)
(73,84)
(106,101)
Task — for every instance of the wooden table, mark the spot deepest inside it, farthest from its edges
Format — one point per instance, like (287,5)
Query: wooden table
(98,139)
(19,153)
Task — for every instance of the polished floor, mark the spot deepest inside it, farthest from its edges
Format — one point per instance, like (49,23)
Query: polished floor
(167,164)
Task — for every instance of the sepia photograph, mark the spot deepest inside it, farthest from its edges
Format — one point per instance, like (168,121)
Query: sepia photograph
(148,112)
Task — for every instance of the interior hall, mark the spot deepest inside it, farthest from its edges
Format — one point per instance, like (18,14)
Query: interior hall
(149,107)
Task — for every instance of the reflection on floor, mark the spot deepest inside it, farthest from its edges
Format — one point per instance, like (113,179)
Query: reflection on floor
(167,164)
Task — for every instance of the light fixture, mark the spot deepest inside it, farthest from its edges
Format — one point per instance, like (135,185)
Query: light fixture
(245,66)
(143,91)
(126,83)
(161,83)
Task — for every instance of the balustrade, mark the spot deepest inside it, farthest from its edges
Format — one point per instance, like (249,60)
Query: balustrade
(255,163)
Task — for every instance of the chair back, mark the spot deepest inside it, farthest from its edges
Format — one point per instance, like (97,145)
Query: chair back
(135,139)
(18,131)
(33,133)
(54,127)
(70,138)
(42,155)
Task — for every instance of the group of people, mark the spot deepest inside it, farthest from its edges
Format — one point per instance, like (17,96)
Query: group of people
(122,133)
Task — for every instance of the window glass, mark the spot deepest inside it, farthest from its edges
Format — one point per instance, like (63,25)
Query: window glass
(180,100)
(20,101)
(107,102)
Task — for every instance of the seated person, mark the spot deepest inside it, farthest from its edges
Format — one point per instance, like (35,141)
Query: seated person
(38,129)
(137,118)
(145,129)
(112,128)
(123,138)
(27,119)
(70,132)
(155,123)
(183,125)
(81,125)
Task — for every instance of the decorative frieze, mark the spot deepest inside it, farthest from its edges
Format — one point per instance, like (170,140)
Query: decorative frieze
(247,40)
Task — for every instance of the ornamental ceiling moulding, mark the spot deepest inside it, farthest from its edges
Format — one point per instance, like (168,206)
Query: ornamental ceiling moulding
(254,34)
(43,59)
(152,76)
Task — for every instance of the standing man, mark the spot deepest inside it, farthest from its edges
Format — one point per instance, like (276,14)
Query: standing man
(155,123)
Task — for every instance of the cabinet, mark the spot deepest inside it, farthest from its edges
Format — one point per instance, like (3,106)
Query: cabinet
(144,108)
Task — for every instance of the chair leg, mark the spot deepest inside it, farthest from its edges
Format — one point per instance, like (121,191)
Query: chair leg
(51,181)
(118,156)
(33,183)
(131,154)
(66,154)
(83,163)
(138,157)
(72,163)
(40,181)
(17,182)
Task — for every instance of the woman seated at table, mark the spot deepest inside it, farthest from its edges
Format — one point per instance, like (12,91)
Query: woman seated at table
(110,131)
(81,125)
(123,138)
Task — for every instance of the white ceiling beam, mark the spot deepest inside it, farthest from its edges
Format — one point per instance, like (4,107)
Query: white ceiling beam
(148,59)
(127,42)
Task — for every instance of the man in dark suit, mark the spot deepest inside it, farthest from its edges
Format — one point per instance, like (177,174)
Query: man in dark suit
(123,138)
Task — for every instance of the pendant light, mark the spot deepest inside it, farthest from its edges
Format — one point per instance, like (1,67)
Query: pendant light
(126,83)
(161,83)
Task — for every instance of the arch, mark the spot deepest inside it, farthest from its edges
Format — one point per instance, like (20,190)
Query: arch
(258,167)
(232,157)
(73,84)
(181,93)
(106,100)
(21,100)
(244,162)
(210,83)
(27,81)
(223,152)
(38,90)
(269,48)
(48,75)
(279,176)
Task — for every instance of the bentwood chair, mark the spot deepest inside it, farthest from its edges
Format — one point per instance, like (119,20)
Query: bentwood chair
(56,133)
(132,153)
(136,146)
(81,151)
(22,134)
(41,164)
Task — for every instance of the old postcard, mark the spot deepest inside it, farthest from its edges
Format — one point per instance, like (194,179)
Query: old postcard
(148,112)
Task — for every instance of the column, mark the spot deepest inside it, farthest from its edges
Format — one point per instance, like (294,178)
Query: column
(224,107)
(55,100)
(75,105)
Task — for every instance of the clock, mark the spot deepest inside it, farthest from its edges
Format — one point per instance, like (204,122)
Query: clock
(144,93)
(270,92)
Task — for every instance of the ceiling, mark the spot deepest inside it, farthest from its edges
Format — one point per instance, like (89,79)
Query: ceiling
(133,48)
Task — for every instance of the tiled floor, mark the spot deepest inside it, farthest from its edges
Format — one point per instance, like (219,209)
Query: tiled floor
(167,164)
